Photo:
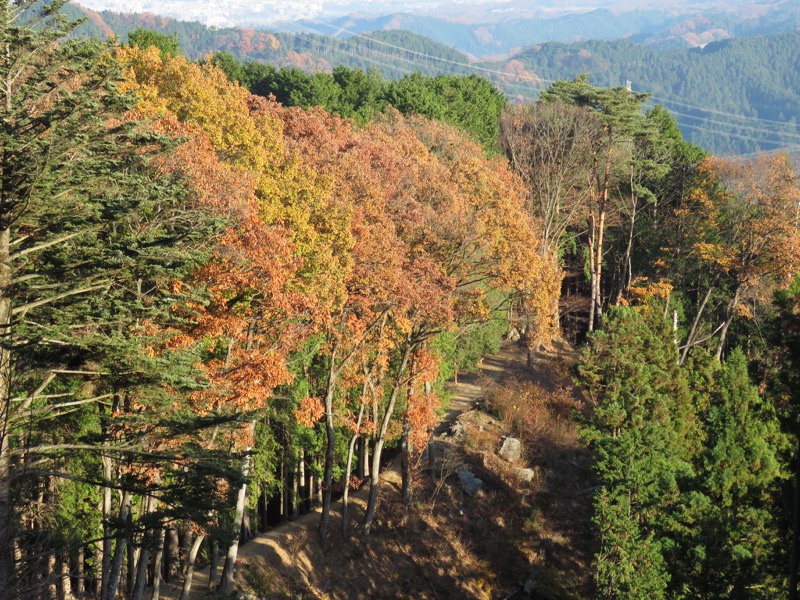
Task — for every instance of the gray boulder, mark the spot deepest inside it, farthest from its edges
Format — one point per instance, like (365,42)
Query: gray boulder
(458,431)
(526,475)
(511,450)
(469,482)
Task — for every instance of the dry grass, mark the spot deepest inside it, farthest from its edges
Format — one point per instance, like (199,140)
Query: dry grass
(448,545)
(545,420)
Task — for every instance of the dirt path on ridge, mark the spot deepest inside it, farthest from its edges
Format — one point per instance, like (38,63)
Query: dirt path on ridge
(294,547)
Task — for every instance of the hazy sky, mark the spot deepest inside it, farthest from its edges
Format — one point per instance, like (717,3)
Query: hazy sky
(228,12)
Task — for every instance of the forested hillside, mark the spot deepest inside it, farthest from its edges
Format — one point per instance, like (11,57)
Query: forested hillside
(736,96)
(219,311)
(681,25)
(733,97)
(393,53)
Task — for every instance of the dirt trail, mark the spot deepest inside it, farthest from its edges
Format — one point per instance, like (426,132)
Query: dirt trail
(294,547)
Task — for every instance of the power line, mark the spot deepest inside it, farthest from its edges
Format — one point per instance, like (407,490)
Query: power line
(527,89)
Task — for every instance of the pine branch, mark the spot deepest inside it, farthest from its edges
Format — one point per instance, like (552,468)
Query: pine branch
(44,301)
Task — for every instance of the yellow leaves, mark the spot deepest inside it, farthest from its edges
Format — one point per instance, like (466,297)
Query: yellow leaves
(714,253)
(239,127)
(643,290)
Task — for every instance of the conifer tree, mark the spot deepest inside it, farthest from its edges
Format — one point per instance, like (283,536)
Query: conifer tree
(90,240)
(644,434)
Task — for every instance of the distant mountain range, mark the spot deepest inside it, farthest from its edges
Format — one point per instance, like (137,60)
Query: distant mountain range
(658,28)
(732,92)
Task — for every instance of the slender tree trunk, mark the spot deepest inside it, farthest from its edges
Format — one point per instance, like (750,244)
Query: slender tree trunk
(312,487)
(627,261)
(98,582)
(349,466)
(696,323)
(107,540)
(65,580)
(601,229)
(157,564)
(51,578)
(190,560)
(296,491)
(723,336)
(330,453)
(405,469)
(130,579)
(7,574)
(173,566)
(226,581)
(374,484)
(186,537)
(79,585)
(360,463)
(286,491)
(375,477)
(213,567)
(141,568)
(303,502)
(119,550)
(592,271)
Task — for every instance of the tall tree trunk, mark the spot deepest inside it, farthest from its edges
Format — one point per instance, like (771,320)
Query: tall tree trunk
(627,260)
(286,490)
(296,486)
(696,323)
(107,540)
(173,566)
(142,558)
(51,579)
(361,467)
(349,466)
(142,563)
(405,469)
(79,585)
(375,476)
(190,560)
(157,563)
(226,581)
(99,581)
(7,575)
(304,503)
(592,272)
(213,567)
(723,335)
(330,452)
(130,574)
(65,579)
(119,550)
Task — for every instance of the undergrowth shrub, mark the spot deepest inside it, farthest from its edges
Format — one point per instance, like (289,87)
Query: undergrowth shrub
(543,419)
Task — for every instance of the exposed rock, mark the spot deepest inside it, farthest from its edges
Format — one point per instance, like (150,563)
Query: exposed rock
(511,450)
(514,335)
(458,431)
(526,475)
(469,482)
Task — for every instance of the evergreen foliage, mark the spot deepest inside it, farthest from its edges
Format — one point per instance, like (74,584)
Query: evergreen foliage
(689,459)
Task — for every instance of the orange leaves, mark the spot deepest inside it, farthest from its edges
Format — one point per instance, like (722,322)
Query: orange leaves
(378,237)
(748,218)
(309,412)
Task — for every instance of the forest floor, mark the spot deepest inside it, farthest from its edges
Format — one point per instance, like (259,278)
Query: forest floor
(525,534)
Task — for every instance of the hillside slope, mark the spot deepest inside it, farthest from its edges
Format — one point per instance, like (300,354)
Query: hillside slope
(514,536)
